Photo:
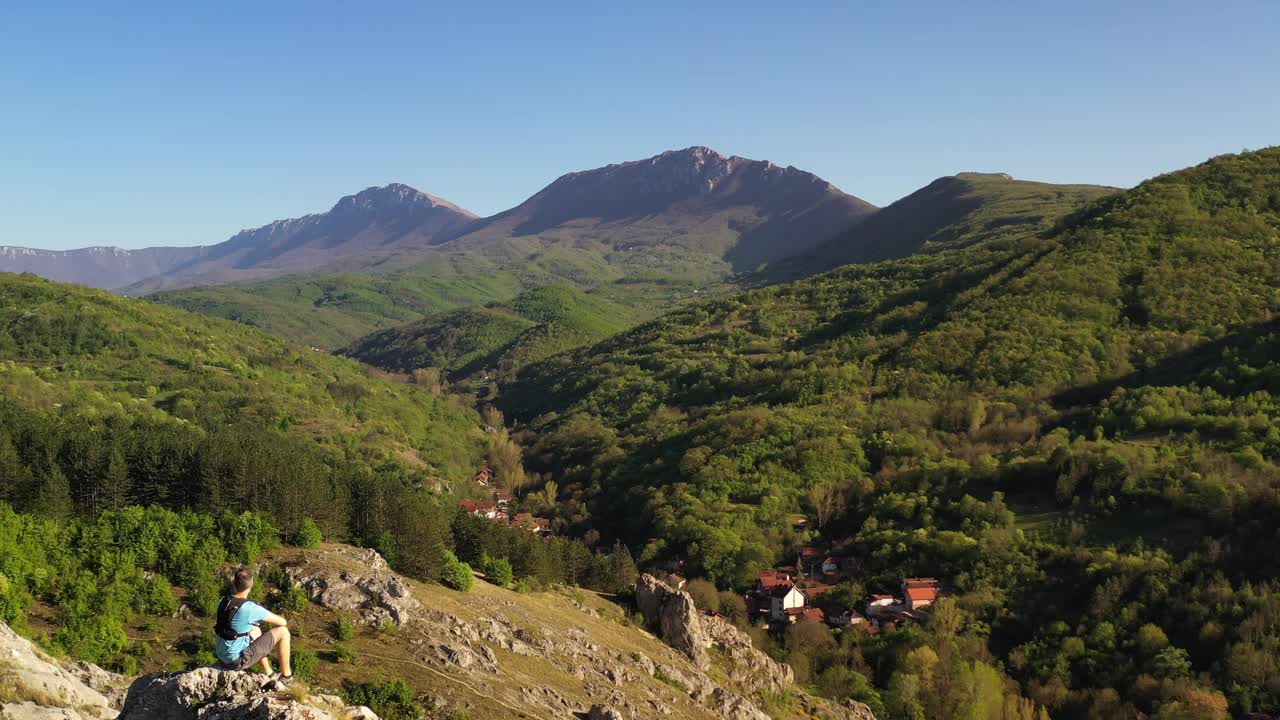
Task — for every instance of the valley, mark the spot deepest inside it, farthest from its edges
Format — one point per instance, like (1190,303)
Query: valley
(970,443)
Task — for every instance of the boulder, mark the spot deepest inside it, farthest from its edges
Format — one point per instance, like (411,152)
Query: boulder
(603,712)
(354,579)
(678,619)
(38,687)
(215,694)
(681,625)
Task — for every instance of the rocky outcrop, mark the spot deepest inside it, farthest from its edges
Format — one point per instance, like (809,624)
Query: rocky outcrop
(34,686)
(682,627)
(676,617)
(214,694)
(753,668)
(692,633)
(854,710)
(347,578)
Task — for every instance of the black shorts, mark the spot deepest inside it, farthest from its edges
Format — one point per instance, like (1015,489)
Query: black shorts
(254,653)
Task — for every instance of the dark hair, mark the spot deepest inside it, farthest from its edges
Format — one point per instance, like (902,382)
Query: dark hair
(243,579)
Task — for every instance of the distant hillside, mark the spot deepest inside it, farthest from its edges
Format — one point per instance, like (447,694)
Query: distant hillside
(950,212)
(1062,424)
(81,354)
(374,222)
(109,267)
(499,336)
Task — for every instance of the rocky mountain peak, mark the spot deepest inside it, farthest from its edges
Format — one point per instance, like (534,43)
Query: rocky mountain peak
(396,197)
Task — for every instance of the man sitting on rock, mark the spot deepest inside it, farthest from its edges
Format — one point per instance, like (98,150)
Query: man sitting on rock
(241,643)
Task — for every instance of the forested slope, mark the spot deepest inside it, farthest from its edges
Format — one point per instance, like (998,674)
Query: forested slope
(1111,372)
(109,401)
(499,336)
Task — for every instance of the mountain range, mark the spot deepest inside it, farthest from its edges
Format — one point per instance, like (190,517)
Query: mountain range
(732,210)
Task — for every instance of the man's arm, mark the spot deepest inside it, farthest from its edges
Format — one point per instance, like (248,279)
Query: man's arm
(274,619)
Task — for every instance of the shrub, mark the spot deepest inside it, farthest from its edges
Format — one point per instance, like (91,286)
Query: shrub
(156,597)
(499,571)
(342,653)
(305,663)
(203,658)
(295,600)
(523,586)
(457,574)
(124,664)
(344,629)
(389,699)
(309,534)
(704,594)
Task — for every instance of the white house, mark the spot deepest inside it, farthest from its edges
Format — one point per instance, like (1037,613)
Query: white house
(782,599)
(880,603)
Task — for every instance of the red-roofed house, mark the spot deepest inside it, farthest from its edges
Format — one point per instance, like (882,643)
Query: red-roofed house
(844,617)
(919,592)
(533,524)
(767,580)
(480,508)
(806,614)
(814,590)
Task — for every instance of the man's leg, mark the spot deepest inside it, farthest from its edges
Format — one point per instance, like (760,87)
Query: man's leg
(282,648)
(265,665)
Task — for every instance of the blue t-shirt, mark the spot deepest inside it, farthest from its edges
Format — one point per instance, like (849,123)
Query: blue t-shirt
(249,615)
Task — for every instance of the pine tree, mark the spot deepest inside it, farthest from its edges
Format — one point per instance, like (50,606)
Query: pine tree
(622,569)
(114,487)
(54,496)
(14,476)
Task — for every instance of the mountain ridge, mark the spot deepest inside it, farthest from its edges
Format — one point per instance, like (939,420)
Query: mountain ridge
(733,210)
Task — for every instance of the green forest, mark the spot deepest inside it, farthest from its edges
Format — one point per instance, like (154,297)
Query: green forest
(1076,427)
(501,337)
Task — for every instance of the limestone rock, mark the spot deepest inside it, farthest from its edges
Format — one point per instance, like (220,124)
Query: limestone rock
(692,633)
(682,627)
(214,694)
(753,668)
(346,578)
(42,687)
(111,685)
(604,712)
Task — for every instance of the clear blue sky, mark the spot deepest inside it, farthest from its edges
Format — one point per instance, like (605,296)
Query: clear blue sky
(181,123)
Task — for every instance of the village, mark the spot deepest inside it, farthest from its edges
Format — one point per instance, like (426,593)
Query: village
(794,594)
(781,596)
(498,509)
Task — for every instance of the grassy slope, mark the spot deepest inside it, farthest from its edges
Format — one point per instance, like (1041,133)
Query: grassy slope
(333,309)
(532,326)
(951,212)
(551,614)
(73,350)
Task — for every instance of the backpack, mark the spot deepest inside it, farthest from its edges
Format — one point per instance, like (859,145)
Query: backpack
(227,610)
